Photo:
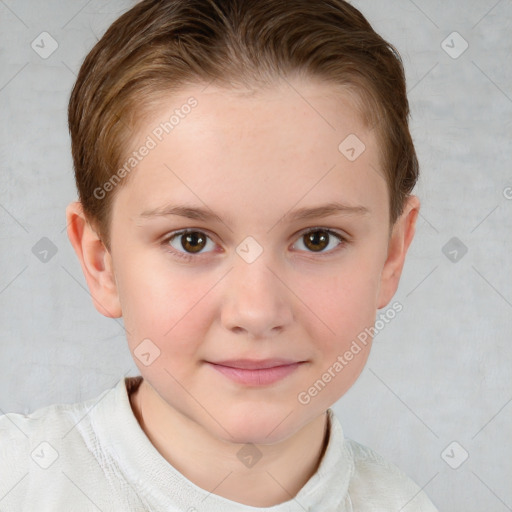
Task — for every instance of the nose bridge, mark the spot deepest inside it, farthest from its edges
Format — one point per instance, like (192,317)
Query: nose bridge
(257,301)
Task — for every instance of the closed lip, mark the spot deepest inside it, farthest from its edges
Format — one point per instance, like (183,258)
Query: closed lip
(253,364)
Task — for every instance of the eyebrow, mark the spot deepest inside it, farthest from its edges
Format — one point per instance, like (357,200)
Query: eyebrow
(204,214)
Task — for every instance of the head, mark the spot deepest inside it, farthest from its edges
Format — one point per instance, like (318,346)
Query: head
(253,112)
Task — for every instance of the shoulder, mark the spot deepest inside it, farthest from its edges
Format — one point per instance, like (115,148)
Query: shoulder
(20,432)
(37,448)
(20,426)
(377,484)
(53,421)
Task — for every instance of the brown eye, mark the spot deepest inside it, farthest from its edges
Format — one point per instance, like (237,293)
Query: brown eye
(188,242)
(318,240)
(193,241)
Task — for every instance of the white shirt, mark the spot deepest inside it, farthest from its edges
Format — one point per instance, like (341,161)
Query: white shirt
(94,456)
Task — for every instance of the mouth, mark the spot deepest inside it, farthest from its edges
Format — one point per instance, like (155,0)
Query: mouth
(251,372)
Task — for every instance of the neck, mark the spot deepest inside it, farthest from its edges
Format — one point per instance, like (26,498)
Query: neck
(284,468)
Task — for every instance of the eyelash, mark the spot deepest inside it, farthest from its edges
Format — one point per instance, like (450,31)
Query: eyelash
(188,256)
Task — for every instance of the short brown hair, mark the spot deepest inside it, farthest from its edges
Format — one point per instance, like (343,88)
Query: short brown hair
(159,46)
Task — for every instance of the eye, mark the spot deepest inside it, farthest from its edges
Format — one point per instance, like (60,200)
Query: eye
(188,240)
(317,239)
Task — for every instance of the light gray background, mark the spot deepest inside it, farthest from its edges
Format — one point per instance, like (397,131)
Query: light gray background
(439,372)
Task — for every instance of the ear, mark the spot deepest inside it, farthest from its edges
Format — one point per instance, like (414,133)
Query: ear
(95,260)
(400,239)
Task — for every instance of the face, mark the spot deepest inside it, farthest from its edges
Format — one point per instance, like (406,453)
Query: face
(256,278)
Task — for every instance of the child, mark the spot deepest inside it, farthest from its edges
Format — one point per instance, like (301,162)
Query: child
(244,171)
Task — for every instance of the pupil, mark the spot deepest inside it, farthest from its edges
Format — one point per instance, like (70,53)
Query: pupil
(316,238)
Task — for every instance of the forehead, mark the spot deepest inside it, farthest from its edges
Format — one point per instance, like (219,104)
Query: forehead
(289,143)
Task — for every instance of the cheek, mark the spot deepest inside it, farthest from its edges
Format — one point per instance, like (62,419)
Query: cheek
(348,298)
(166,307)
(347,304)
(349,309)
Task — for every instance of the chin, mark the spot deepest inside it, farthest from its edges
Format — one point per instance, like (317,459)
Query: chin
(258,426)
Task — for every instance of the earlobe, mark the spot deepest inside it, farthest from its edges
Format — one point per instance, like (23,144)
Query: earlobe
(399,242)
(96,261)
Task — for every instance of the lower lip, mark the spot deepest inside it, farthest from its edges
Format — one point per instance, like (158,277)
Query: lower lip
(262,377)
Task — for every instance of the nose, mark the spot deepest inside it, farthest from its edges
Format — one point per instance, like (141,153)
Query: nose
(257,300)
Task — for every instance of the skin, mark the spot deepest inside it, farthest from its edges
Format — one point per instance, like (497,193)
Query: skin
(252,159)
